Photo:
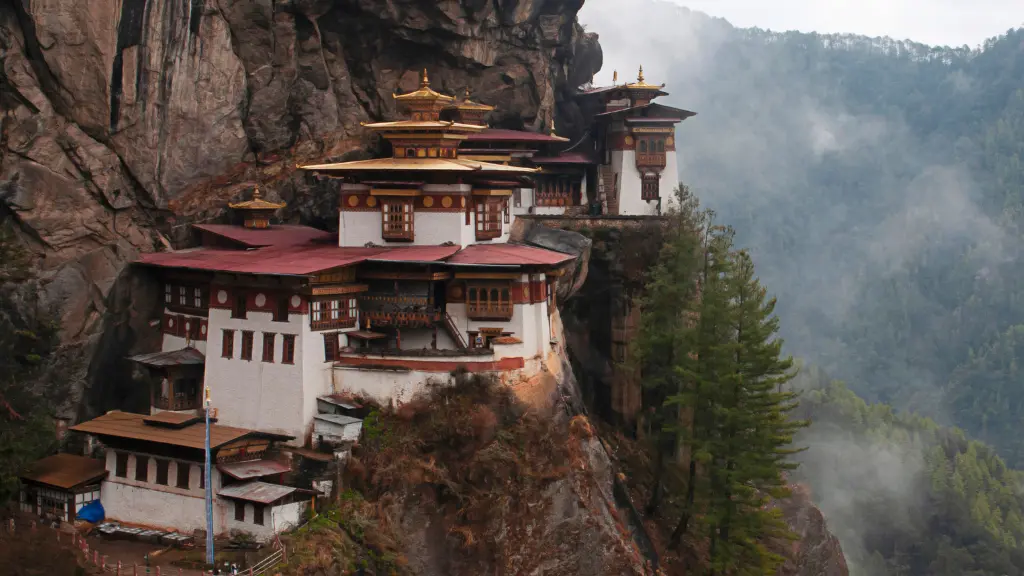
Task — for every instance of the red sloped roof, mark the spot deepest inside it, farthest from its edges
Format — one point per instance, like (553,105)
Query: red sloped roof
(507,255)
(501,135)
(415,254)
(276,235)
(301,259)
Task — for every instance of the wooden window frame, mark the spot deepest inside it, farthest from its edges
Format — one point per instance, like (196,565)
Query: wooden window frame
(331,347)
(400,228)
(488,219)
(257,514)
(269,343)
(247,344)
(239,511)
(332,313)
(183,475)
(121,464)
(650,187)
(478,308)
(202,476)
(281,309)
(187,298)
(227,344)
(141,468)
(288,349)
(239,306)
(163,469)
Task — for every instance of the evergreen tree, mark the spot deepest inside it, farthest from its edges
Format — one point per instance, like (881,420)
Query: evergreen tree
(665,329)
(754,432)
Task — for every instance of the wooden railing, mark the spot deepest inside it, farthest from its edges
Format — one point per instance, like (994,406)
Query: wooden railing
(489,311)
(177,403)
(454,332)
(654,159)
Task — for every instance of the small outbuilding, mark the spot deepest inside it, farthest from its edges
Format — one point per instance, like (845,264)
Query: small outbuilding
(59,486)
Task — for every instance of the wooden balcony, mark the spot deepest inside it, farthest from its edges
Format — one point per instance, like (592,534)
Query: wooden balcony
(483,311)
(178,402)
(651,159)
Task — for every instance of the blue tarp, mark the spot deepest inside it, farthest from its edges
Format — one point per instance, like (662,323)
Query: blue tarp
(92,512)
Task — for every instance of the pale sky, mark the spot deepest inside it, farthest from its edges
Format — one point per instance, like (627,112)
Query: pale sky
(949,22)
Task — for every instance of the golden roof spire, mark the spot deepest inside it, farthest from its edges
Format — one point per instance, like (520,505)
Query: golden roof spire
(615,76)
(640,84)
(424,81)
(257,203)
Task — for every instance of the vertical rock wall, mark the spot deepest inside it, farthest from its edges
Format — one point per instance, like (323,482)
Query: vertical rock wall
(120,122)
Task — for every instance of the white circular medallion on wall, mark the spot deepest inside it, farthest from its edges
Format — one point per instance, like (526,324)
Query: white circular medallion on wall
(188,326)
(202,329)
(222,296)
(260,300)
(296,301)
(170,322)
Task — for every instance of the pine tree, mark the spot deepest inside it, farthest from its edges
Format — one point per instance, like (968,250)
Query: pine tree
(665,328)
(754,432)
(700,370)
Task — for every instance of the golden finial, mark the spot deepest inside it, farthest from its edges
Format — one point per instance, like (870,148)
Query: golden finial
(640,76)
(256,193)
(615,76)
(424,82)
(467,92)
(552,125)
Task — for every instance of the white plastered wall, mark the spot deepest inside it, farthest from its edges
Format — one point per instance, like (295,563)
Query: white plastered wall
(267,396)
(318,373)
(150,504)
(669,181)
(275,518)
(631,202)
(172,343)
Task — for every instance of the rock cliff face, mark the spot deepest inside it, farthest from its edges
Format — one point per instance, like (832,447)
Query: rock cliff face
(123,121)
(817,551)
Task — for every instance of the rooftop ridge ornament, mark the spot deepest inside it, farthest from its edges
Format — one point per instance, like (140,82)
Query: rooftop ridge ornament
(256,203)
(615,76)
(641,83)
(256,213)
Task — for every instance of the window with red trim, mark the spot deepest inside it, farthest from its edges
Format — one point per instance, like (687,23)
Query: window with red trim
(288,349)
(268,346)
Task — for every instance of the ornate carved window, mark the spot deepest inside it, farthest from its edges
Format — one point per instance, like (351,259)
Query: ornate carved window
(227,347)
(488,219)
(334,313)
(650,151)
(397,219)
(489,301)
(649,186)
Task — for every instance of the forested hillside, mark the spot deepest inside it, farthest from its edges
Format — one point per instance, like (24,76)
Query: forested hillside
(904,495)
(880,187)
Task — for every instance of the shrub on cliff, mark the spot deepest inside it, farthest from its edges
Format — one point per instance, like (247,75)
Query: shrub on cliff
(26,341)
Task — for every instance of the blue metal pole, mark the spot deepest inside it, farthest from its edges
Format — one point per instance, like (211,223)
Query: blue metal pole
(209,487)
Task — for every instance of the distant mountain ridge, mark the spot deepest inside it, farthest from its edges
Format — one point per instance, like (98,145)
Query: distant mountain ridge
(880,186)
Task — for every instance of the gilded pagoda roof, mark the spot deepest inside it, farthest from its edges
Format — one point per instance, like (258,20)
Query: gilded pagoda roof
(430,125)
(467,104)
(425,94)
(420,164)
(640,84)
(257,203)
